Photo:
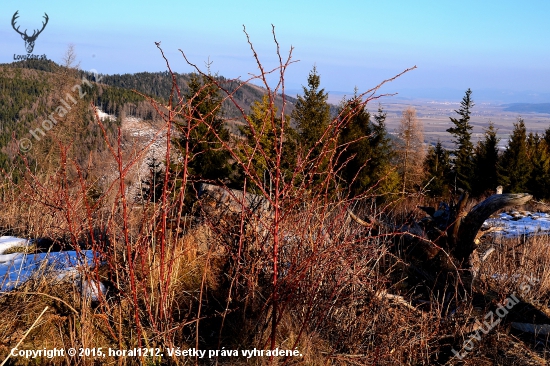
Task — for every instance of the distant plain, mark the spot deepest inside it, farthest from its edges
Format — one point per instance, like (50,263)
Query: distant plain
(435,116)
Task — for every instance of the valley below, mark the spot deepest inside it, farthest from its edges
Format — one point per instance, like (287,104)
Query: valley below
(435,116)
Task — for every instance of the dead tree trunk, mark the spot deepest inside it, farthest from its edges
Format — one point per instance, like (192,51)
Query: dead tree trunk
(461,227)
(450,228)
(469,226)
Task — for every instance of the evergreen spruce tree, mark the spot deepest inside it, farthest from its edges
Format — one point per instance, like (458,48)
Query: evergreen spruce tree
(354,139)
(208,160)
(515,167)
(152,186)
(486,162)
(262,136)
(383,155)
(311,113)
(538,156)
(546,138)
(366,150)
(438,168)
(463,166)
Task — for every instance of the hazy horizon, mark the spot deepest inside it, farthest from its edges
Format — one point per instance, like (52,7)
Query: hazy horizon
(494,48)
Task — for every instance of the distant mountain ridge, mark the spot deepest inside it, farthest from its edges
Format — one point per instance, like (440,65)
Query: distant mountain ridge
(159,84)
(528,107)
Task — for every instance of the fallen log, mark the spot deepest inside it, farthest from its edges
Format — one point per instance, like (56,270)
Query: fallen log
(470,225)
(445,241)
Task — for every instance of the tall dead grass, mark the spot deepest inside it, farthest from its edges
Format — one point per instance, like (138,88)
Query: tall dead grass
(300,275)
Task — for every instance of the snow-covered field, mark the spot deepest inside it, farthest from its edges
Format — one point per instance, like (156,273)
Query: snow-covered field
(18,267)
(514,224)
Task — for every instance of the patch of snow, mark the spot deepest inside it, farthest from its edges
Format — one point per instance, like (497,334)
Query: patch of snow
(515,224)
(102,115)
(89,288)
(16,268)
(8,242)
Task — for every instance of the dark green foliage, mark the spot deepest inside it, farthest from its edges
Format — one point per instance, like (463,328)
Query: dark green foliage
(515,167)
(365,150)
(547,138)
(438,168)
(21,100)
(111,100)
(354,139)
(312,114)
(486,162)
(382,146)
(153,185)
(312,117)
(537,151)
(208,160)
(24,103)
(159,85)
(42,65)
(30,91)
(463,166)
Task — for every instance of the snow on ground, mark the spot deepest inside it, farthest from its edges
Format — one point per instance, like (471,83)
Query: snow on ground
(514,224)
(102,115)
(16,268)
(8,242)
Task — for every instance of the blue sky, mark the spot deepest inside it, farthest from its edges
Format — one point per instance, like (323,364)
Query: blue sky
(498,46)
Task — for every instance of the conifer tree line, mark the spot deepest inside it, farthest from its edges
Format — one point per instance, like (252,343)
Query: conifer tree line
(371,158)
(365,151)
(523,165)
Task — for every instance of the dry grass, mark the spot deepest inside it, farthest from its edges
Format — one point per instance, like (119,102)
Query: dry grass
(301,276)
(333,295)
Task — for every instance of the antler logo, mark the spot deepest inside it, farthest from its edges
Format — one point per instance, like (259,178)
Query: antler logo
(29,40)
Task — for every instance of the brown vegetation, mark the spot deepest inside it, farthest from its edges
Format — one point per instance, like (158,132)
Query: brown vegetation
(410,150)
(298,273)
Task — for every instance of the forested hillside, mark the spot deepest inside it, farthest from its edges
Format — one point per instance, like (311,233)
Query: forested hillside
(37,96)
(523,165)
(31,90)
(159,84)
